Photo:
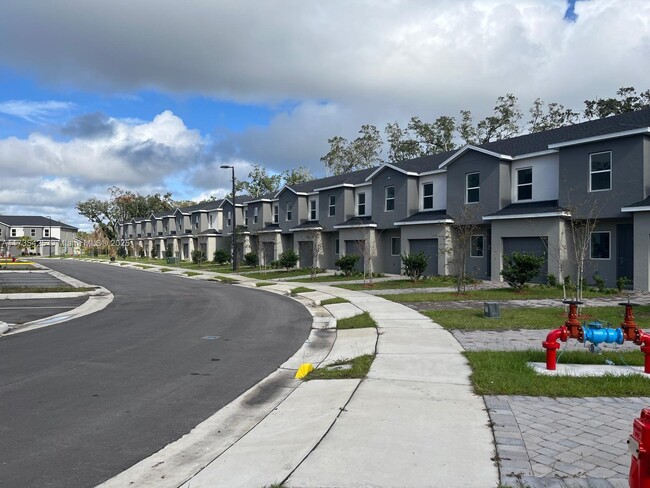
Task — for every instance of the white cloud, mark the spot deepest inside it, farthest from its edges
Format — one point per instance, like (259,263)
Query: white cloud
(34,111)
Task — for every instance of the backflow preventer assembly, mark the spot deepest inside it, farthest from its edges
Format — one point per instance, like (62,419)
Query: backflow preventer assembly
(595,333)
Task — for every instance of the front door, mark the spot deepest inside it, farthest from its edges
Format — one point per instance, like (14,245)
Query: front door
(625,251)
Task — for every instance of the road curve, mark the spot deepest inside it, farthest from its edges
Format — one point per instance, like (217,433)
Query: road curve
(84,400)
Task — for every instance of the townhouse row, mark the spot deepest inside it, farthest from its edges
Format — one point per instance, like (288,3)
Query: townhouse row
(523,194)
(49,237)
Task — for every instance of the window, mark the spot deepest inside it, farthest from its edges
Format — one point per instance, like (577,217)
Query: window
(525,184)
(390,198)
(32,232)
(289,210)
(477,249)
(600,171)
(229,218)
(336,247)
(332,205)
(276,214)
(13,232)
(427,196)
(361,204)
(472,181)
(256,214)
(395,246)
(210,220)
(245,217)
(313,214)
(180,223)
(196,221)
(165,227)
(599,245)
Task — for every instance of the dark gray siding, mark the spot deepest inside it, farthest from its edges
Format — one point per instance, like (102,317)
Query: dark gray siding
(288,196)
(389,177)
(430,249)
(323,208)
(494,185)
(627,177)
(387,262)
(530,245)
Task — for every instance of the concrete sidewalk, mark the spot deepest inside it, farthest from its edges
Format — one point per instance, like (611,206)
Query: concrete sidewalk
(413,421)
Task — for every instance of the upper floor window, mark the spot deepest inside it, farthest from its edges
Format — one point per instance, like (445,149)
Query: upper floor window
(524,184)
(337,246)
(32,232)
(332,205)
(276,213)
(600,245)
(246,216)
(256,214)
(46,232)
(196,222)
(600,171)
(361,204)
(427,196)
(477,248)
(289,210)
(390,198)
(313,211)
(229,218)
(210,220)
(165,227)
(472,186)
(180,223)
(13,232)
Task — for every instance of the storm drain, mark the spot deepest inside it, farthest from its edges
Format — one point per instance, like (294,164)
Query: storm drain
(210,338)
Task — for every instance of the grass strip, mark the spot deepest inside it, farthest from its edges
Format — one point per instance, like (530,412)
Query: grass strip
(165,270)
(264,283)
(328,278)
(530,293)
(279,273)
(192,273)
(400,284)
(529,317)
(358,368)
(360,321)
(300,289)
(506,373)
(332,301)
(225,279)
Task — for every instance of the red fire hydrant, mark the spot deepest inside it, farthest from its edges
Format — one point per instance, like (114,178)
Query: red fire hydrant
(638,445)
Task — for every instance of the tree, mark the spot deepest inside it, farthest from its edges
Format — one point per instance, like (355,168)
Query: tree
(627,101)
(520,268)
(400,145)
(502,125)
(556,116)
(434,137)
(298,175)
(288,259)
(462,230)
(347,263)
(25,244)
(261,182)
(122,206)
(363,152)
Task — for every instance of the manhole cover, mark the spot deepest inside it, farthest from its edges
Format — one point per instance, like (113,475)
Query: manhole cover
(210,338)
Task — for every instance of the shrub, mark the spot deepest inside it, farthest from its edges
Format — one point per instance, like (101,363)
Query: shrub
(288,259)
(551,280)
(600,282)
(415,264)
(520,268)
(251,259)
(142,253)
(169,252)
(274,265)
(348,263)
(198,257)
(621,282)
(221,256)
(121,252)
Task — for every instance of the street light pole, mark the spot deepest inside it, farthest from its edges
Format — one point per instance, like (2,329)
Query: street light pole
(50,217)
(234,220)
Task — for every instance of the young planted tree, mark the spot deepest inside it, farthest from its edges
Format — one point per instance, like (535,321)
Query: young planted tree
(25,244)
(464,227)
(288,259)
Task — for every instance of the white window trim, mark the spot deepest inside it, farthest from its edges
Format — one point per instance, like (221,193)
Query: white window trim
(229,218)
(423,196)
(601,171)
(365,205)
(609,245)
(518,185)
(14,233)
(256,215)
(386,198)
(391,246)
(331,212)
(482,236)
(315,209)
(289,211)
(276,214)
(468,188)
(32,232)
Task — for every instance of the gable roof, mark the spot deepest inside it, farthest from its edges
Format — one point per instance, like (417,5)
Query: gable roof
(33,220)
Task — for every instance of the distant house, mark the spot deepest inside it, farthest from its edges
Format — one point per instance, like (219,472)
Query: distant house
(50,237)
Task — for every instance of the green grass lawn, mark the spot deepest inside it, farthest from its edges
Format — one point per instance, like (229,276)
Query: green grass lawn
(530,293)
(399,284)
(359,368)
(300,289)
(332,301)
(328,278)
(191,273)
(530,318)
(506,373)
(360,321)
(278,273)
(264,283)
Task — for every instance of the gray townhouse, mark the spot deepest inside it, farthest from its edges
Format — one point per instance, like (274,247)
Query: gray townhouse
(523,194)
(49,236)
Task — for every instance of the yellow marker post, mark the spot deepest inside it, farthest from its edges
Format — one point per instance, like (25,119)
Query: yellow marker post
(304,370)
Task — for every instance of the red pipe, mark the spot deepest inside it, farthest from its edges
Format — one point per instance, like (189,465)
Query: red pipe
(551,345)
(644,341)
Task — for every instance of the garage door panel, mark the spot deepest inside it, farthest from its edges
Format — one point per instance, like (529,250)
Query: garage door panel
(430,249)
(529,245)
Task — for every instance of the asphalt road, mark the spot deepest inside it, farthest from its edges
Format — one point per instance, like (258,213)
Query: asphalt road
(83,400)
(21,311)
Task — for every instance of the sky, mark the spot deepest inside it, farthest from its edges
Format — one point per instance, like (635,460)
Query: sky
(155,95)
